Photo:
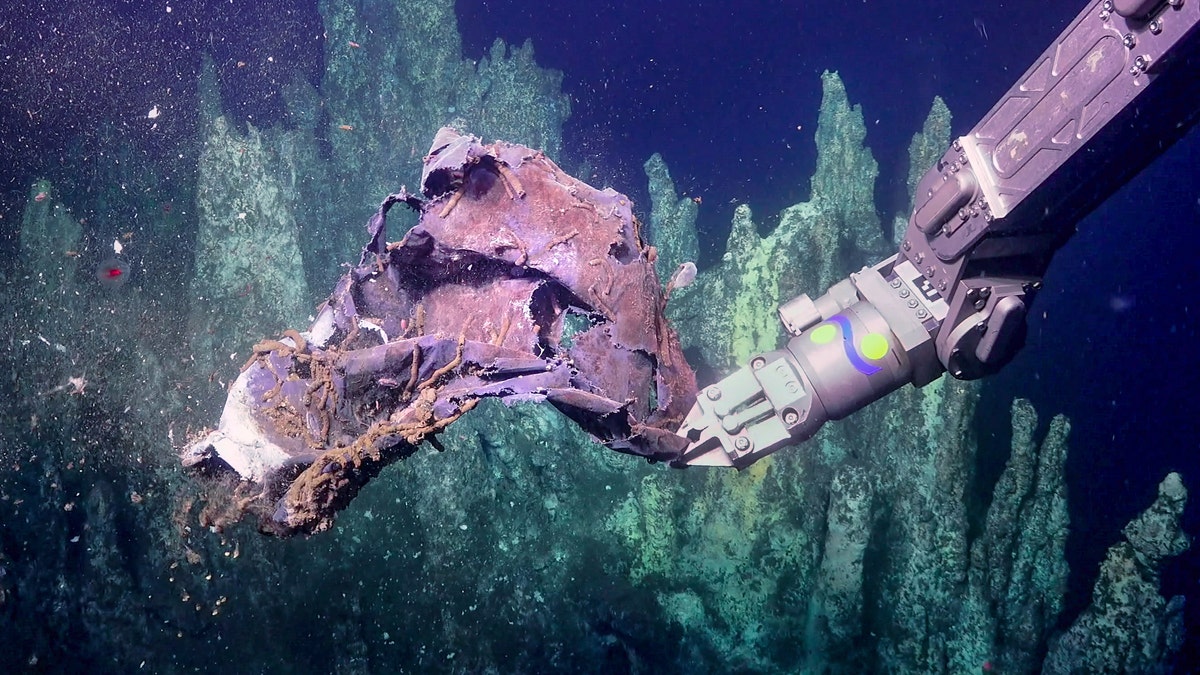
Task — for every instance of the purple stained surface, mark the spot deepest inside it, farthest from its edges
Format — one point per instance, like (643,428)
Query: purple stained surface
(469,304)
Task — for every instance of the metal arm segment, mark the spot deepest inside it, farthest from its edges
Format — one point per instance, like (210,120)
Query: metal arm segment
(1113,92)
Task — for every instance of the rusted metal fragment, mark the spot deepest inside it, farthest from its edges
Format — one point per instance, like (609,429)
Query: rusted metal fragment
(471,303)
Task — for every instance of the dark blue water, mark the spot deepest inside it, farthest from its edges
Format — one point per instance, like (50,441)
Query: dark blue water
(728,92)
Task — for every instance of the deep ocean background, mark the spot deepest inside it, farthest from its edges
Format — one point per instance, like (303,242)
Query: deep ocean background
(728,92)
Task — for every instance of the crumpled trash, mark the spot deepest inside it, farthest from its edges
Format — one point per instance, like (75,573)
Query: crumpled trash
(519,282)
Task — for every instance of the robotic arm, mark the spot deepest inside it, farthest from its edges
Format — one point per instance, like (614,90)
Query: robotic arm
(1117,88)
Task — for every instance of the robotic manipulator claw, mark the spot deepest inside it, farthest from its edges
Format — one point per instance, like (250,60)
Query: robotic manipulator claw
(843,354)
(988,216)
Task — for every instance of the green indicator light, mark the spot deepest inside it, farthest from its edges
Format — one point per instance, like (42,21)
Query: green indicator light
(873,346)
(823,334)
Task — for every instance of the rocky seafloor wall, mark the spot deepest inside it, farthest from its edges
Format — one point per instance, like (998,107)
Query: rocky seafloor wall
(524,547)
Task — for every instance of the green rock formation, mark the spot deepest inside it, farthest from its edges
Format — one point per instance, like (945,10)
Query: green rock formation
(278,207)
(728,312)
(524,547)
(509,96)
(249,280)
(837,604)
(516,536)
(927,146)
(111,558)
(894,479)
(106,554)
(672,220)
(406,78)
(394,75)
(644,523)
(1130,627)
(1021,555)
(924,453)
(843,186)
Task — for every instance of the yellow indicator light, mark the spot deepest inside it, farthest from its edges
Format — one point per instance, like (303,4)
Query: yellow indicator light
(823,334)
(873,346)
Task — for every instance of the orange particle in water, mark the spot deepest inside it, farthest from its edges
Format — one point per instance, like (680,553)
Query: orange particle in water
(40,197)
(346,127)
(697,199)
(354,45)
